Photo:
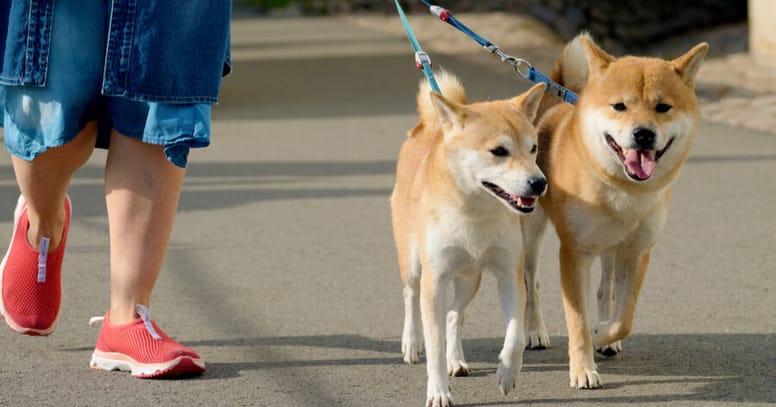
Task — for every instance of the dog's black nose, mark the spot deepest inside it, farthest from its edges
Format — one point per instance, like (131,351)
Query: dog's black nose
(538,184)
(645,138)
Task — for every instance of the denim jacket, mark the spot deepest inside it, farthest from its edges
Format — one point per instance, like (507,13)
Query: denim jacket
(164,51)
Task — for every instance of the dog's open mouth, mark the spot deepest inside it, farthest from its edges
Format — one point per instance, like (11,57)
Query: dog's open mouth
(639,164)
(524,204)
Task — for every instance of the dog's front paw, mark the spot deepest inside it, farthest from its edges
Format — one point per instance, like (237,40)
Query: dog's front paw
(537,339)
(611,349)
(458,368)
(507,377)
(440,398)
(584,378)
(411,351)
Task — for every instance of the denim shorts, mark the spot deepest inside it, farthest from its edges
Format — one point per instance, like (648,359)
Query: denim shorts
(38,118)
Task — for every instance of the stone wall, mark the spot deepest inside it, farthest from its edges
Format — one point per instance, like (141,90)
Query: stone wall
(618,25)
(633,24)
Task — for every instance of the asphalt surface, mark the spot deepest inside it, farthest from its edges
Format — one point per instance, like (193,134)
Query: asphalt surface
(281,271)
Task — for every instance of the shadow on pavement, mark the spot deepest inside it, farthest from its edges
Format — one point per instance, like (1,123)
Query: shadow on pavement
(730,158)
(319,87)
(220,185)
(705,362)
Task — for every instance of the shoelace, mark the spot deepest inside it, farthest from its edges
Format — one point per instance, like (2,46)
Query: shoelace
(145,315)
(42,257)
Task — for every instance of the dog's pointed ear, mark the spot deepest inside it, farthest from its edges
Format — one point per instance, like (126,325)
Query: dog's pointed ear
(687,65)
(450,114)
(529,101)
(597,59)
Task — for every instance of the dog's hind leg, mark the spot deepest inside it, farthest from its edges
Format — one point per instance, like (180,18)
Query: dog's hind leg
(536,335)
(412,334)
(629,276)
(464,288)
(606,301)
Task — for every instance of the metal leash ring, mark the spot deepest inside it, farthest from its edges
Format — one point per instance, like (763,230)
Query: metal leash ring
(516,62)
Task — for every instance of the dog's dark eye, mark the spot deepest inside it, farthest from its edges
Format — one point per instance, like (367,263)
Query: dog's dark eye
(619,107)
(663,107)
(534,149)
(500,151)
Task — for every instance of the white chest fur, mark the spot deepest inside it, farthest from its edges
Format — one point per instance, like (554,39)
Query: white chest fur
(458,244)
(623,219)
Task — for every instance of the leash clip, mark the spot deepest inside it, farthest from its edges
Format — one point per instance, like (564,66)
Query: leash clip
(516,62)
(421,57)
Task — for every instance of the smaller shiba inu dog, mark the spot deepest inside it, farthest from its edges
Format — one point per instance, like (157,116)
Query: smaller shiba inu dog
(611,161)
(464,175)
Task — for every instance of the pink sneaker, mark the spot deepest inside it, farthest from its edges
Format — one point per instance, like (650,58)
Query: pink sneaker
(143,349)
(31,280)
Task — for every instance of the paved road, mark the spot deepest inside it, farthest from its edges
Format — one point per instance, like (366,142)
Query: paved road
(282,273)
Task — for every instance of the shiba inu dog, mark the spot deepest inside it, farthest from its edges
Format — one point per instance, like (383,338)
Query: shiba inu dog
(610,161)
(464,175)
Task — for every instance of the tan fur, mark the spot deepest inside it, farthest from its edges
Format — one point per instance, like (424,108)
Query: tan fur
(601,203)
(450,226)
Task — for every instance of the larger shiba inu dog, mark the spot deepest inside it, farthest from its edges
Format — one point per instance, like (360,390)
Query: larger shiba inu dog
(611,161)
(464,174)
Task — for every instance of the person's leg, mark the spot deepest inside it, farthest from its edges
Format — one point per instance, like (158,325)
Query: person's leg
(44,181)
(30,271)
(43,117)
(141,192)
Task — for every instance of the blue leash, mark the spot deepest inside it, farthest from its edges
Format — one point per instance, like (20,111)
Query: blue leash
(529,72)
(422,60)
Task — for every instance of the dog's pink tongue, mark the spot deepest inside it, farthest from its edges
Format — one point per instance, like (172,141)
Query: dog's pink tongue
(641,163)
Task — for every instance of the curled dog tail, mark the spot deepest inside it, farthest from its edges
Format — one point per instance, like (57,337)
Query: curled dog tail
(451,89)
(571,68)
